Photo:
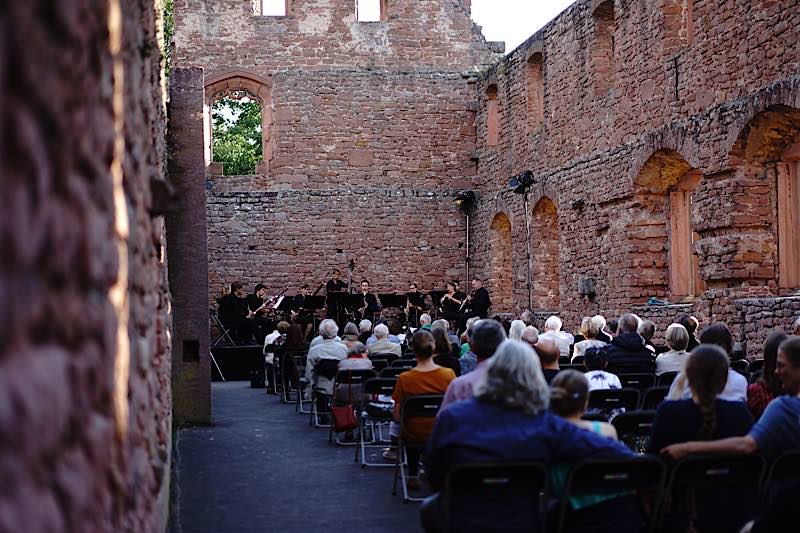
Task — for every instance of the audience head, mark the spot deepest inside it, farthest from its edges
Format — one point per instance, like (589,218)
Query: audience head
(718,334)
(441,341)
(294,335)
(350,330)
(394,325)
(471,320)
(328,329)
(527,317)
(422,344)
(357,350)
(628,323)
(676,337)
(769,379)
(424,319)
(594,359)
(647,329)
(282,327)
(515,330)
(599,321)
(707,373)
(589,329)
(484,338)
(569,393)
(796,327)
(531,336)
(686,321)
(548,352)
(381,331)
(441,324)
(611,326)
(553,323)
(364,326)
(514,379)
(788,364)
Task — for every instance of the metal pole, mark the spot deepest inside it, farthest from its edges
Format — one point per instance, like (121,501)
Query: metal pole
(466,257)
(528,248)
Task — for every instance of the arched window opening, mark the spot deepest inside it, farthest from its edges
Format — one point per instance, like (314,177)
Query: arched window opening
(492,118)
(535,91)
(546,267)
(602,53)
(501,264)
(789,218)
(237,132)
(370,10)
(272,8)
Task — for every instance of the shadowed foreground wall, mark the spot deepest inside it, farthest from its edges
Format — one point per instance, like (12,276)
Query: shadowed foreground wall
(84,345)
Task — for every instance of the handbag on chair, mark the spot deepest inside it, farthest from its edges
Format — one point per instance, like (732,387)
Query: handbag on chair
(344,417)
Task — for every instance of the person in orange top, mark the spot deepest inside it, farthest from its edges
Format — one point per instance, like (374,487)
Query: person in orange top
(426,378)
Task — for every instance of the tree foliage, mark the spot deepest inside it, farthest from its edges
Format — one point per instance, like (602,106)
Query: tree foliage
(237,135)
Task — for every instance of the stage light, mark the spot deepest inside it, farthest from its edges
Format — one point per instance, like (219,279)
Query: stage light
(465,200)
(521,182)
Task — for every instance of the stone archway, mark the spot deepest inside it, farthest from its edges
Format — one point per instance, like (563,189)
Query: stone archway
(546,272)
(500,282)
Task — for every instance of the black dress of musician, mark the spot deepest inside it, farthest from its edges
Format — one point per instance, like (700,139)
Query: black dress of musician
(370,306)
(233,314)
(415,303)
(451,302)
(479,301)
(333,289)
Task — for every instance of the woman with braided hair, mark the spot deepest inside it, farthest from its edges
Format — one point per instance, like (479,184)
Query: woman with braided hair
(703,417)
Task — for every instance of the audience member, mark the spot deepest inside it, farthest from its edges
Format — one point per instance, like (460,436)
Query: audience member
(392,338)
(350,335)
(768,386)
(611,329)
(425,378)
(508,420)
(445,325)
(589,332)
(569,397)
(602,333)
(673,360)
(647,330)
(690,323)
(425,321)
(468,359)
(319,338)
(382,343)
(627,353)
(552,330)
(443,351)
(594,359)
(364,331)
(485,337)
(548,353)
(329,348)
(796,327)
(516,329)
(527,317)
(530,336)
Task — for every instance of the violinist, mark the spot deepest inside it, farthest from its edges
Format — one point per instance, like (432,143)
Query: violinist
(478,301)
(257,313)
(415,302)
(450,302)
(371,306)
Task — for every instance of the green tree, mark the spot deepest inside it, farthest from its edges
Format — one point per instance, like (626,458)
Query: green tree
(237,135)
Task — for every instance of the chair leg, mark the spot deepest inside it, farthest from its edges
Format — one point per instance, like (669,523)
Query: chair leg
(397,467)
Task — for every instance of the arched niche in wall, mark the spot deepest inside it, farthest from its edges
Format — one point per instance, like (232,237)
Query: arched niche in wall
(501,263)
(546,269)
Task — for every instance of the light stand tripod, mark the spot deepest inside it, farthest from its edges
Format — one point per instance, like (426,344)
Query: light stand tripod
(528,246)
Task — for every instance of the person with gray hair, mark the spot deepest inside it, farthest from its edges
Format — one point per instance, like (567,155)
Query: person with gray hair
(602,331)
(527,317)
(673,360)
(382,343)
(484,338)
(425,321)
(364,330)
(328,349)
(795,330)
(507,420)
(516,329)
(321,337)
(552,330)
(627,353)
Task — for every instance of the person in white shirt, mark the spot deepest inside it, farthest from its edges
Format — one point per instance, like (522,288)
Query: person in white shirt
(595,361)
(552,330)
(589,331)
(328,348)
(677,339)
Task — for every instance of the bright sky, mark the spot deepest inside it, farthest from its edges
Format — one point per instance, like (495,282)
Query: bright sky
(513,21)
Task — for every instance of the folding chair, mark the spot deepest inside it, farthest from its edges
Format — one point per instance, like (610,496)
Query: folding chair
(225,331)
(389,357)
(666,379)
(708,476)
(349,378)
(326,368)
(783,470)
(577,360)
(511,495)
(423,406)
(601,476)
(579,368)
(405,364)
(741,366)
(637,381)
(563,360)
(300,362)
(633,428)
(652,397)
(612,399)
(374,415)
(392,372)
(379,364)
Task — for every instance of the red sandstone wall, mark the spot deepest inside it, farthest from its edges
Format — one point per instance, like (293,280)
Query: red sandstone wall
(71,459)
(724,103)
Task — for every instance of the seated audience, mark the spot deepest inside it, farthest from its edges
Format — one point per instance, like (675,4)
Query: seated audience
(443,351)
(425,321)
(691,325)
(527,317)
(594,359)
(364,331)
(589,332)
(552,330)
(673,360)
(293,342)
(647,330)
(530,336)
(328,348)
(425,378)
(350,335)
(468,360)
(485,337)
(356,360)
(602,329)
(736,386)
(507,420)
(548,353)
(768,386)
(465,342)
(382,343)
(319,338)
(704,417)
(516,329)
(392,338)
(796,328)
(627,353)
(445,325)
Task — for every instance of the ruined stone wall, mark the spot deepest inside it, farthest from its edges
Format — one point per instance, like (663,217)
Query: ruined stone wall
(624,119)
(85,358)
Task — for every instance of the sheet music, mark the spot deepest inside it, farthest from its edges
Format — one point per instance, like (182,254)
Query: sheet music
(278,303)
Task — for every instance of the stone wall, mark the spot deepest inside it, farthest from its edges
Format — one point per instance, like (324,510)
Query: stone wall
(624,122)
(85,359)
(760,316)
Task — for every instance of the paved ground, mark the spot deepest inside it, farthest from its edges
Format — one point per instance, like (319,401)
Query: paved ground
(262,468)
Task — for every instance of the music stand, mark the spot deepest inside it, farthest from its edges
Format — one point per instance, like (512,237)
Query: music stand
(284,305)
(436,299)
(314,303)
(225,332)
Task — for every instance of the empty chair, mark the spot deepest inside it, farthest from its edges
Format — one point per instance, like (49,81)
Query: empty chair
(392,372)
(633,428)
(577,360)
(387,356)
(612,399)
(652,397)
(376,413)
(637,381)
(379,364)
(422,406)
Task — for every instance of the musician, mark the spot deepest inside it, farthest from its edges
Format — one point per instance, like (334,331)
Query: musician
(415,304)
(234,314)
(478,301)
(261,325)
(451,302)
(301,309)
(334,286)
(371,306)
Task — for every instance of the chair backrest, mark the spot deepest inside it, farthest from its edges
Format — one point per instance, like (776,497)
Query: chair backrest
(577,360)
(652,397)
(354,377)
(756,365)
(614,399)
(740,365)
(563,360)
(716,471)
(379,364)
(392,372)
(386,356)
(782,470)
(666,379)
(421,406)
(327,368)
(404,363)
(380,386)
(508,495)
(579,368)
(633,428)
(637,381)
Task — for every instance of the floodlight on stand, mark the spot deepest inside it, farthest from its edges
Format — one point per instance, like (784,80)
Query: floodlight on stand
(521,182)
(465,200)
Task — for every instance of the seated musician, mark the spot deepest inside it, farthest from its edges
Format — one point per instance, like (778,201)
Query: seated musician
(260,325)
(415,305)
(234,314)
(370,304)
(301,309)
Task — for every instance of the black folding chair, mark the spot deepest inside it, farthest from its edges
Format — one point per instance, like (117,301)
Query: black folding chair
(741,366)
(666,379)
(405,364)
(612,399)
(379,364)
(600,476)
(579,368)
(652,397)
(782,471)
(708,477)
(756,365)
(637,381)
(509,495)
(351,379)
(224,332)
(389,357)
(563,360)
(392,372)
(422,406)
(374,415)
(577,360)
(633,428)
(321,400)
